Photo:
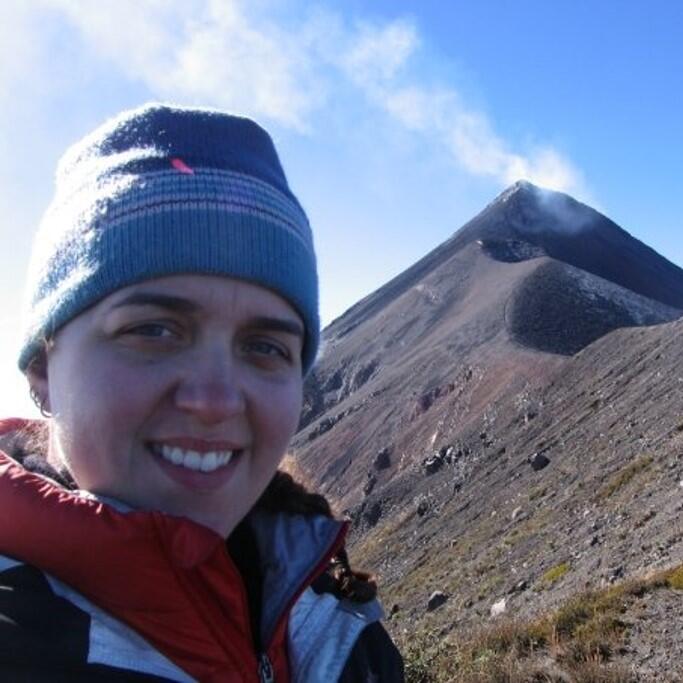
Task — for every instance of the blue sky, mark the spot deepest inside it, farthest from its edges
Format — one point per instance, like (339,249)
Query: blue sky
(396,121)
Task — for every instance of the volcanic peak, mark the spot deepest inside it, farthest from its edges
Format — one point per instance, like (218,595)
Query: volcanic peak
(529,210)
(520,188)
(566,230)
(526,222)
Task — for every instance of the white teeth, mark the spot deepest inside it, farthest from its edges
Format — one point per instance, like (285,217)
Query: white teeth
(209,462)
(193,460)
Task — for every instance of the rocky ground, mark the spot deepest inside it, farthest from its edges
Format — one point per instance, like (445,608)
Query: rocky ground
(576,486)
(653,650)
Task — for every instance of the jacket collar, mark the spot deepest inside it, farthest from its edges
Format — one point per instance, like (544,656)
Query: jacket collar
(294,549)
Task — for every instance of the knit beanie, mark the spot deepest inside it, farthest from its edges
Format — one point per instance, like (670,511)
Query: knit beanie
(164,190)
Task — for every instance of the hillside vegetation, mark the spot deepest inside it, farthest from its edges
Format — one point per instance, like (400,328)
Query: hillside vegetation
(586,640)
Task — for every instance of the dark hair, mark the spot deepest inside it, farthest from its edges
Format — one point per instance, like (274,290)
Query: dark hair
(286,494)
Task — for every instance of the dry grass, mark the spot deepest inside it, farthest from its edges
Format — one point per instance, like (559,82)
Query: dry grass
(574,643)
(625,475)
(675,578)
(555,573)
(537,492)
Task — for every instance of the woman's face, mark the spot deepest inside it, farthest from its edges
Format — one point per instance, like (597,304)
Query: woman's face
(178,394)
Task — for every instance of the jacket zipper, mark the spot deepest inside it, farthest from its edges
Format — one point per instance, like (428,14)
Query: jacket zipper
(265,669)
(321,566)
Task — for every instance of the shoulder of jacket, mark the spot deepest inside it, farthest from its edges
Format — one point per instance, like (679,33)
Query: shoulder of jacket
(323,631)
(83,638)
(374,658)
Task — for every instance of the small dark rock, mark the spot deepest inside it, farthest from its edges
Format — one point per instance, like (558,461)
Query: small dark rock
(369,484)
(372,514)
(615,573)
(447,453)
(519,587)
(423,507)
(538,461)
(436,599)
(325,425)
(383,459)
(433,464)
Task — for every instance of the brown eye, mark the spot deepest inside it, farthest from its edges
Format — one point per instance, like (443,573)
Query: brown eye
(264,347)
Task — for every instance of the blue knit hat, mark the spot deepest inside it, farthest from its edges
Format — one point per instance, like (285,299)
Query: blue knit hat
(165,190)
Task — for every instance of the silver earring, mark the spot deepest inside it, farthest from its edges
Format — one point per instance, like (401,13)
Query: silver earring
(39,402)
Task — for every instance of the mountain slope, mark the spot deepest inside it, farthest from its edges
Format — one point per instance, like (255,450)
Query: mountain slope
(487,526)
(482,319)
(503,420)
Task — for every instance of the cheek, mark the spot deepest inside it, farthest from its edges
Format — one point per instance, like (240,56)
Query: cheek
(280,416)
(98,402)
(91,392)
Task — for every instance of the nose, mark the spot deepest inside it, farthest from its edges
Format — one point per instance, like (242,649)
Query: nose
(211,390)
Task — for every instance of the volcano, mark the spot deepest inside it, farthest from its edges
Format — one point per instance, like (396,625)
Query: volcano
(534,278)
(504,411)
(526,221)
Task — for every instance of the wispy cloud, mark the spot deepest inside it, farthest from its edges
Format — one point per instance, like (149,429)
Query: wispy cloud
(250,57)
(211,52)
(18,53)
(376,63)
(375,56)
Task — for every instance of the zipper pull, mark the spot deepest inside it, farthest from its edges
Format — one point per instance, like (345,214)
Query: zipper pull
(265,669)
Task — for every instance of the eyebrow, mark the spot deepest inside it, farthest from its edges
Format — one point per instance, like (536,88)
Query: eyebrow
(175,303)
(181,305)
(278,325)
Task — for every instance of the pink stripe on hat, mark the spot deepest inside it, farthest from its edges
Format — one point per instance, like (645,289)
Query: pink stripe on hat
(181,166)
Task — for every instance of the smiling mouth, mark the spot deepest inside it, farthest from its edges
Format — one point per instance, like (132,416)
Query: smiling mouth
(193,460)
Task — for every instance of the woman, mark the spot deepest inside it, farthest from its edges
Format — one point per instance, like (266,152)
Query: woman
(147,533)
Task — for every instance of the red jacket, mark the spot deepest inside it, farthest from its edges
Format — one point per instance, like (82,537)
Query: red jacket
(168,578)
